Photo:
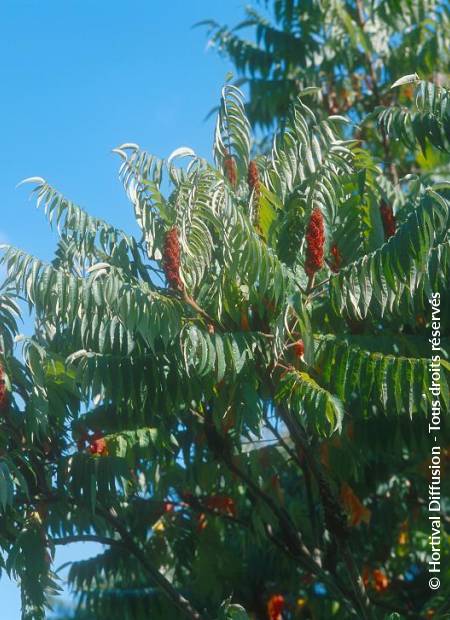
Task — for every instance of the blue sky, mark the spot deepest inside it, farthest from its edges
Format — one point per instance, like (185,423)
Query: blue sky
(80,77)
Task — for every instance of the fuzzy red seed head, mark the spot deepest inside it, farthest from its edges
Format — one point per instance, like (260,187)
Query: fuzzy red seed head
(388,219)
(299,348)
(253,177)
(172,259)
(168,507)
(335,263)
(254,187)
(275,606)
(315,239)
(98,446)
(221,503)
(380,580)
(230,169)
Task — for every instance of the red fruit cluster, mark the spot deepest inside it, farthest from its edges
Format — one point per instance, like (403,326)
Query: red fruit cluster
(98,445)
(275,606)
(172,259)
(388,218)
(221,503)
(315,239)
(355,509)
(3,390)
(376,579)
(253,177)
(230,169)
(217,503)
(335,263)
(299,348)
(381,582)
(254,187)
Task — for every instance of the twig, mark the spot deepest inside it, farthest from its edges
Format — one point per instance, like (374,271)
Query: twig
(307,478)
(298,435)
(191,302)
(177,599)
(292,537)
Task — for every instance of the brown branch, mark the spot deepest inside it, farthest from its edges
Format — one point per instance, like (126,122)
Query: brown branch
(316,286)
(127,541)
(331,504)
(310,285)
(308,488)
(292,537)
(167,588)
(194,305)
(198,506)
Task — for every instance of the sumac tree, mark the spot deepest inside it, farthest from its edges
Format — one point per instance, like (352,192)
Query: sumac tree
(234,402)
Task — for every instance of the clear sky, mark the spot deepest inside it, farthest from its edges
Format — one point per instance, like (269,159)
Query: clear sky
(79,77)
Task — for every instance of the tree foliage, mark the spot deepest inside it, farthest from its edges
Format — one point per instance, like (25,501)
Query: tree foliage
(353,50)
(235,402)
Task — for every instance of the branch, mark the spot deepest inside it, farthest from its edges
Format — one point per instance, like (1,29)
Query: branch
(292,537)
(333,513)
(307,477)
(196,504)
(194,305)
(172,594)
